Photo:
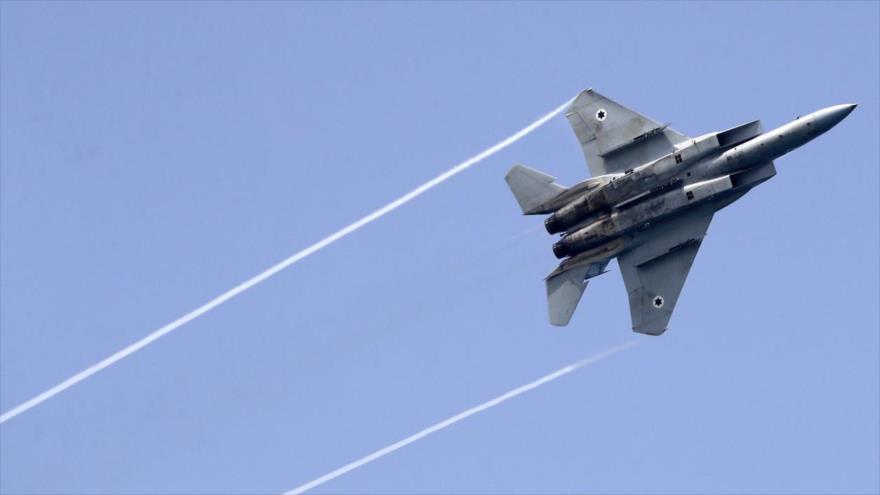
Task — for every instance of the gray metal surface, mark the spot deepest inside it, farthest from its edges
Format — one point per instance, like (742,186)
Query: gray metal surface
(613,137)
(564,290)
(654,271)
(653,194)
(532,188)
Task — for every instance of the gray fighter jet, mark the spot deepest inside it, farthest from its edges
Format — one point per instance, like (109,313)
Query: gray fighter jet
(649,202)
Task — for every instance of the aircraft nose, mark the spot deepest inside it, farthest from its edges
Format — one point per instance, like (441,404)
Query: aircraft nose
(841,111)
(847,109)
(831,116)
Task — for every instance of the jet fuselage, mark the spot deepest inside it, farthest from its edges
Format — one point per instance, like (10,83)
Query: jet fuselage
(717,168)
(650,200)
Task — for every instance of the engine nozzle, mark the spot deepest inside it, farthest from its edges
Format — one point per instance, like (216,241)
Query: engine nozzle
(577,211)
(552,225)
(560,249)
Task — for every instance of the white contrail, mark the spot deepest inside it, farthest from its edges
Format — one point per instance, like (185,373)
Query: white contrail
(455,419)
(222,298)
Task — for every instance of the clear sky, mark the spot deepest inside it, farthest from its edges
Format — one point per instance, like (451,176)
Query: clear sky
(154,155)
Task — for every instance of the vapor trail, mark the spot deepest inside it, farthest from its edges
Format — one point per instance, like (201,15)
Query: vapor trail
(247,284)
(458,417)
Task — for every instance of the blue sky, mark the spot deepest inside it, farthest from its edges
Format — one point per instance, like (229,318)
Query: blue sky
(154,155)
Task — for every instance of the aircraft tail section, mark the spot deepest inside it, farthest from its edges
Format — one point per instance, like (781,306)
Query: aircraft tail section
(565,288)
(532,189)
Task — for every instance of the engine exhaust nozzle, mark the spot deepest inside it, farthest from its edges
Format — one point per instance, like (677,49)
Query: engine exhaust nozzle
(552,225)
(560,249)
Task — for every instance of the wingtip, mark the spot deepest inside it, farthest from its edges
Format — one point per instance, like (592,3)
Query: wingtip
(649,331)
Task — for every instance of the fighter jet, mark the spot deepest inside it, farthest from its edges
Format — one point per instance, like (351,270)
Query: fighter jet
(650,200)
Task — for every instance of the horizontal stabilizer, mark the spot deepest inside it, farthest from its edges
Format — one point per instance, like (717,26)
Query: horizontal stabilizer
(565,288)
(532,188)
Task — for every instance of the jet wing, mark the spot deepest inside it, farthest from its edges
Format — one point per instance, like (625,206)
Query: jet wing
(655,271)
(614,138)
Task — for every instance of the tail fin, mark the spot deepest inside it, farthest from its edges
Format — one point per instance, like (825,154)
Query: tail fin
(532,188)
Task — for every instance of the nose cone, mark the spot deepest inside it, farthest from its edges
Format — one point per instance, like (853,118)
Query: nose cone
(829,117)
(841,111)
